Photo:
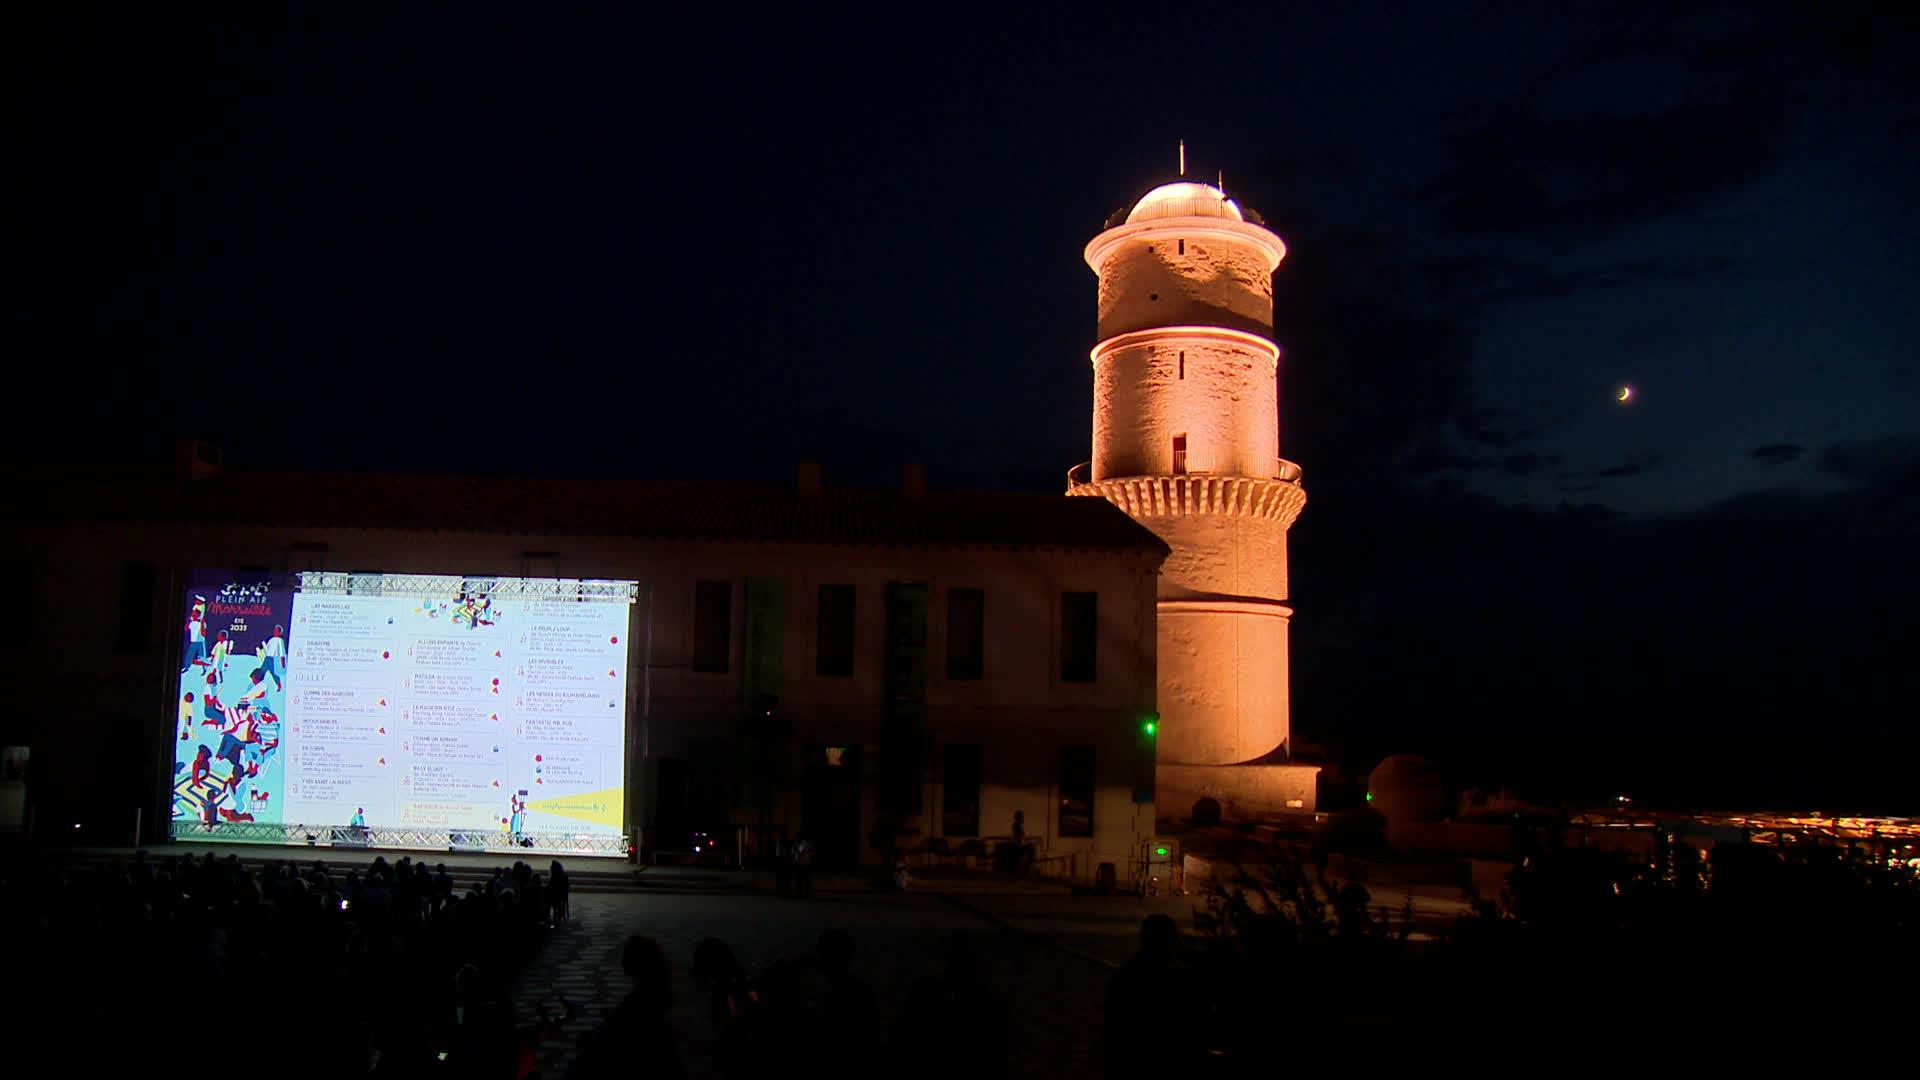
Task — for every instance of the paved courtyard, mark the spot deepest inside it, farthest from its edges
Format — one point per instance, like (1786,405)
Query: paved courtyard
(1054,995)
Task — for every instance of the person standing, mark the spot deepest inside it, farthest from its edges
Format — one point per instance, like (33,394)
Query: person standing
(1153,992)
(803,866)
(782,866)
(273,657)
(559,894)
(222,649)
(637,1037)
(196,635)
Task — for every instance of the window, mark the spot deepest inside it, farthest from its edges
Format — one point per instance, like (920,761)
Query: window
(540,564)
(137,582)
(966,633)
(17,638)
(1183,365)
(1183,247)
(833,656)
(1079,626)
(1076,791)
(1180,454)
(306,555)
(960,792)
(712,625)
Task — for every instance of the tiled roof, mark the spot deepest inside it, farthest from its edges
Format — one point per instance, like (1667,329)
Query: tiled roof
(689,510)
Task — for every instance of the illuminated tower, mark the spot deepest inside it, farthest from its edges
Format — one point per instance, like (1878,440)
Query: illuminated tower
(1186,440)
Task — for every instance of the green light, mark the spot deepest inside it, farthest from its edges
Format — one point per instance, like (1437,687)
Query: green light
(1150,727)
(1159,851)
(1369,796)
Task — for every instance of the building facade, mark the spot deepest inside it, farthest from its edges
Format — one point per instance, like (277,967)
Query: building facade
(858,666)
(1186,441)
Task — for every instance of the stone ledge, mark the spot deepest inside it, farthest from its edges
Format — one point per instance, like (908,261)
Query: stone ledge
(1200,494)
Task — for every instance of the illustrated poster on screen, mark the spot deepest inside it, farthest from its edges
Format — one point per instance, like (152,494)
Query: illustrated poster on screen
(229,764)
(492,712)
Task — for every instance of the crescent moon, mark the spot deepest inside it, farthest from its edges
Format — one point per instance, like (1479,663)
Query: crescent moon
(1626,393)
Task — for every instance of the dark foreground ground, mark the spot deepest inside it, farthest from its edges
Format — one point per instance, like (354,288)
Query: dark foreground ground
(1054,996)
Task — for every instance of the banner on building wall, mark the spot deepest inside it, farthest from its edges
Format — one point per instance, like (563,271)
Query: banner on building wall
(403,710)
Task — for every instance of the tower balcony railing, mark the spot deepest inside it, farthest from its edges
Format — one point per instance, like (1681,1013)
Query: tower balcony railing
(1283,470)
(1278,497)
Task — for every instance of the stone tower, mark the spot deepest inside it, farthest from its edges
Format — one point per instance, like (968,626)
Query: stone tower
(1186,440)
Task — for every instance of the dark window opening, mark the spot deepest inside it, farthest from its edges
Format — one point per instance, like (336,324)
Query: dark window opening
(960,792)
(18,636)
(1076,791)
(1183,365)
(1183,247)
(1079,627)
(833,655)
(1153,296)
(1180,453)
(540,564)
(306,556)
(712,625)
(137,584)
(966,633)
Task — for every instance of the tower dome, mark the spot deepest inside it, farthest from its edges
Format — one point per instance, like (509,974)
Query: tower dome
(1184,199)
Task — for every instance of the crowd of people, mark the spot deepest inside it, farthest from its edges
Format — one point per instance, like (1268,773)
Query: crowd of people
(802,1015)
(181,965)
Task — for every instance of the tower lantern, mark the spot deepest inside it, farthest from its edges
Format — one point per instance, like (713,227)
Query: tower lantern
(1186,440)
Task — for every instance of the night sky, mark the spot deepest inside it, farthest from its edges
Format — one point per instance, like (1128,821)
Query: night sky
(507,240)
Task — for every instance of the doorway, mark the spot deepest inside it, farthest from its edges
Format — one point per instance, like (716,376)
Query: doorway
(830,805)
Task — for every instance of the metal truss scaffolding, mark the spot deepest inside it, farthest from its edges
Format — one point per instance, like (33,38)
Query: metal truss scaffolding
(451,585)
(352,836)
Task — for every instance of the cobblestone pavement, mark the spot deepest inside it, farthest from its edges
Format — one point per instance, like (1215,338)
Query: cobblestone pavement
(1054,996)
(1106,929)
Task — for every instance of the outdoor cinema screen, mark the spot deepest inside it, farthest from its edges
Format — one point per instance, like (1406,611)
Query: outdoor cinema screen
(403,710)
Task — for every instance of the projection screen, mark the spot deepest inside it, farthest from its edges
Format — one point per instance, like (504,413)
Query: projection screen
(403,710)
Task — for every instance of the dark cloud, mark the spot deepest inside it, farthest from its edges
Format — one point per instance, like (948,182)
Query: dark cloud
(1605,624)
(1778,453)
(1894,459)
(1539,282)
(1718,95)
(1568,177)
(1622,470)
(1528,464)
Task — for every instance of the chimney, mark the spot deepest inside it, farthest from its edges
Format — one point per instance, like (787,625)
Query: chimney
(196,460)
(809,478)
(913,480)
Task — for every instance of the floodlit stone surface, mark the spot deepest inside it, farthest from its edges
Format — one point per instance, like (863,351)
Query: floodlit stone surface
(1186,439)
